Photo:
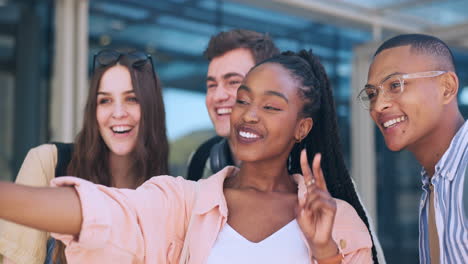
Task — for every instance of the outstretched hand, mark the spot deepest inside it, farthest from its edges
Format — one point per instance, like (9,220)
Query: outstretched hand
(316,212)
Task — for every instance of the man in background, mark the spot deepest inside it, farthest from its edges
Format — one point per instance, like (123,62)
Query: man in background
(231,55)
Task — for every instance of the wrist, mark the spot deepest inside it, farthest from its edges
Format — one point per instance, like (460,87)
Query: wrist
(336,259)
(326,250)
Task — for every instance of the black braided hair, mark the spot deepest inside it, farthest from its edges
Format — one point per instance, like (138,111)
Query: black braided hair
(315,89)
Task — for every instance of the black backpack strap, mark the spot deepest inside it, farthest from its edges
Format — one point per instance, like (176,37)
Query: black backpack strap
(198,161)
(220,156)
(64,153)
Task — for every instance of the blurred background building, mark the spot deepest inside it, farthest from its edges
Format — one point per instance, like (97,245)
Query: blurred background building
(46,50)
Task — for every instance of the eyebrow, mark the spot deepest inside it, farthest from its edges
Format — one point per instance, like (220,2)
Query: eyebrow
(384,79)
(277,94)
(126,92)
(232,74)
(225,76)
(274,93)
(244,87)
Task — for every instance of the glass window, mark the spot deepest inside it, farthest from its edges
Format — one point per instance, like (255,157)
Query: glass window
(25,35)
(177,34)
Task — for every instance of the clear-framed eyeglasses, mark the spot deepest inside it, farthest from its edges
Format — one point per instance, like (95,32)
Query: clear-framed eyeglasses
(391,87)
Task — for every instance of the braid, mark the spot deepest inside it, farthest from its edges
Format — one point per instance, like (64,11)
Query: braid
(341,185)
(324,137)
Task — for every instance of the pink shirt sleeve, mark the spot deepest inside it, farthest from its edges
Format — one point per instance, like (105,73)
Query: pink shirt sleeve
(351,235)
(117,222)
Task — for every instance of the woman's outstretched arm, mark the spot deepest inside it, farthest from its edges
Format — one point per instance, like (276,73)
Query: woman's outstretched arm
(55,210)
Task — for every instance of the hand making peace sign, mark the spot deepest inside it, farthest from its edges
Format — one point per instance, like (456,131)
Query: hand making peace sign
(317,211)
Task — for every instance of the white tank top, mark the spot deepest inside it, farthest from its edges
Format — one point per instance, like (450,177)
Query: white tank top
(284,246)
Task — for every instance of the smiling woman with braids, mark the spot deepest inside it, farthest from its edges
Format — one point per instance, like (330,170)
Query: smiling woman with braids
(276,208)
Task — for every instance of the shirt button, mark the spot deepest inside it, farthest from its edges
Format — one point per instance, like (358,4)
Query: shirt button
(342,244)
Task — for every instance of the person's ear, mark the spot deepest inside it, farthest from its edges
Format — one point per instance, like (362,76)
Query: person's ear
(303,129)
(449,87)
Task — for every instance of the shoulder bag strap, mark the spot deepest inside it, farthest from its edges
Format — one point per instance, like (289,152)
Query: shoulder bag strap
(64,153)
(198,161)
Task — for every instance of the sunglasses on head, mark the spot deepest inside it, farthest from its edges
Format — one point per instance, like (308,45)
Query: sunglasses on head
(109,57)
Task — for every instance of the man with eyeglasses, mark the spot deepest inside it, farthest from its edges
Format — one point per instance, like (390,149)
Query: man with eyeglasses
(411,94)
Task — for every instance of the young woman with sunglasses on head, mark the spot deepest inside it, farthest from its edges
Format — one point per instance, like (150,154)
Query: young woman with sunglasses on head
(122,144)
(263,212)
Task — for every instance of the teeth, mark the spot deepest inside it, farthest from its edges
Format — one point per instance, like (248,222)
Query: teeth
(222,111)
(247,134)
(121,129)
(394,121)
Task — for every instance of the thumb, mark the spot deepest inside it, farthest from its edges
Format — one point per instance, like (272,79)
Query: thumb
(299,210)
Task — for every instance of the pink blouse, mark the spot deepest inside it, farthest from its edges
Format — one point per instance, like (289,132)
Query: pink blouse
(149,224)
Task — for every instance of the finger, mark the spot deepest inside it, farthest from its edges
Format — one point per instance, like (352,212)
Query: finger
(302,202)
(321,209)
(316,196)
(306,171)
(323,205)
(306,214)
(318,172)
(310,195)
(316,191)
(298,208)
(302,210)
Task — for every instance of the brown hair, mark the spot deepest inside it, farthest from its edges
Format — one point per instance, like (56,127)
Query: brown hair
(260,45)
(90,156)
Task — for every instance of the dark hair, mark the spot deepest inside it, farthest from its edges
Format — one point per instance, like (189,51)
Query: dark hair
(422,44)
(90,156)
(314,88)
(151,150)
(260,45)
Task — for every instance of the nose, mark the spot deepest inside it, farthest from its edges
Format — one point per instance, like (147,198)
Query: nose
(251,115)
(381,103)
(220,93)
(120,110)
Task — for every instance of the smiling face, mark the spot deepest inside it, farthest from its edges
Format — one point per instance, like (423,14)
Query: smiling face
(225,74)
(265,120)
(410,119)
(118,111)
